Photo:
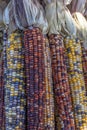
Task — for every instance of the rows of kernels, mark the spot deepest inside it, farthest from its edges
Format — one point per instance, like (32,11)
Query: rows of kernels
(49,105)
(73,50)
(1,83)
(61,85)
(84,64)
(15,103)
(57,121)
(5,39)
(34,65)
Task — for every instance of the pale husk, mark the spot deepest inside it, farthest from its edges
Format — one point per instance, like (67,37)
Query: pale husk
(81,25)
(8,18)
(35,15)
(65,2)
(66,20)
(51,15)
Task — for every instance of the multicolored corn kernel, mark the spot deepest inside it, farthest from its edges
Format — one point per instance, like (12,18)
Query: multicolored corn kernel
(49,103)
(1,81)
(61,84)
(76,79)
(15,101)
(35,78)
(84,64)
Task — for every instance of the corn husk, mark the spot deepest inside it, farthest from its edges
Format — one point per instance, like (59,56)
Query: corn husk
(19,14)
(51,15)
(8,18)
(1,17)
(65,2)
(78,6)
(81,25)
(65,19)
(2,6)
(85,12)
(35,15)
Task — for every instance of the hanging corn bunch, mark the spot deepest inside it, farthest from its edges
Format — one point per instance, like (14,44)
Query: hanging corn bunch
(49,105)
(34,65)
(84,64)
(61,84)
(15,87)
(73,50)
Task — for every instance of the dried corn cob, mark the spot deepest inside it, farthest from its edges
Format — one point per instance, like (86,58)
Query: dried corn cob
(1,83)
(15,102)
(61,84)
(49,105)
(34,65)
(5,40)
(84,64)
(73,50)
